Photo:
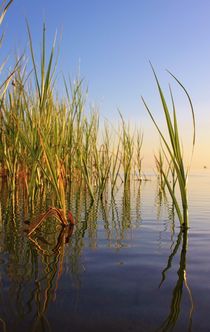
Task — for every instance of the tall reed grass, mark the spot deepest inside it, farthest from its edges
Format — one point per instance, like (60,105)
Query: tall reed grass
(49,143)
(172,147)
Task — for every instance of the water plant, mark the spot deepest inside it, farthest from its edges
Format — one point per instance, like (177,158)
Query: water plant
(48,143)
(3,89)
(127,151)
(173,148)
(139,143)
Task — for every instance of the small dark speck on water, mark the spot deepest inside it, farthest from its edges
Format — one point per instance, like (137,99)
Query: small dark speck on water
(120,263)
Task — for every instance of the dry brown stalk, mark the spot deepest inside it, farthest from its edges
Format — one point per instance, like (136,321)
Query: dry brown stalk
(51,212)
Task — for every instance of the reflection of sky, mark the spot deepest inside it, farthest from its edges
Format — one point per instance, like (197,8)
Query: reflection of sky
(113,41)
(114,283)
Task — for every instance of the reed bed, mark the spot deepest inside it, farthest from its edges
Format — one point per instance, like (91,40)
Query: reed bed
(47,143)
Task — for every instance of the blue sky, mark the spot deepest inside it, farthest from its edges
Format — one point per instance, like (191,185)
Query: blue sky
(112,42)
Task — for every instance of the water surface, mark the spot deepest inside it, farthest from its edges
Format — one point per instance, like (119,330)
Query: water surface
(124,267)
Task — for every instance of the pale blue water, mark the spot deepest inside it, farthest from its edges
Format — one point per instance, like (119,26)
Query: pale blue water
(107,277)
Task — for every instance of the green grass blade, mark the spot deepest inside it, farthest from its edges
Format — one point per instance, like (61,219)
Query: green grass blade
(33,61)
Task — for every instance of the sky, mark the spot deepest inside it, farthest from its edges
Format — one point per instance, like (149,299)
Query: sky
(110,42)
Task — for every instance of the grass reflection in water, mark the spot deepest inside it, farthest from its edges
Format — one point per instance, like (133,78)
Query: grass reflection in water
(37,268)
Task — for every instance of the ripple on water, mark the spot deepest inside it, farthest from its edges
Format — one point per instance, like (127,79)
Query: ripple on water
(108,276)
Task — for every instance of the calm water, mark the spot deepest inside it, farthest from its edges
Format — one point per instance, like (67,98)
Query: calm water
(124,267)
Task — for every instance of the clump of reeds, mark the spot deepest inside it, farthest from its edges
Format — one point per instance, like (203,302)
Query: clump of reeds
(164,166)
(127,151)
(48,143)
(172,147)
(3,89)
(139,143)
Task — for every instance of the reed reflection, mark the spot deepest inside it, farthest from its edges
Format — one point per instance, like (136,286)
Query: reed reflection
(47,279)
(126,206)
(176,299)
(138,202)
(30,268)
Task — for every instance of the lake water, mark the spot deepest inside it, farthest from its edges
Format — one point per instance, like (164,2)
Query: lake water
(125,266)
